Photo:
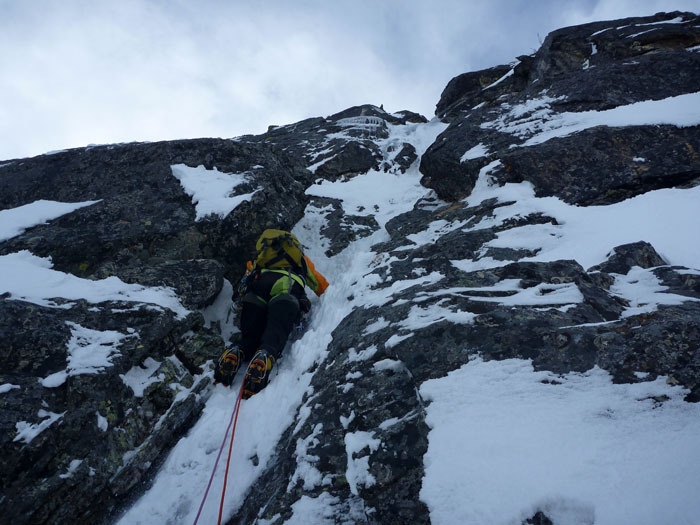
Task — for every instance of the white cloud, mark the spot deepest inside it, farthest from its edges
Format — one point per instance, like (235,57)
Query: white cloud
(78,72)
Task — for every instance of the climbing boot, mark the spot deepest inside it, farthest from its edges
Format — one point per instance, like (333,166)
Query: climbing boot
(258,373)
(228,365)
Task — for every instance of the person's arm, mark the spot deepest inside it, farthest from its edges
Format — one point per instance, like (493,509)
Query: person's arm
(315,279)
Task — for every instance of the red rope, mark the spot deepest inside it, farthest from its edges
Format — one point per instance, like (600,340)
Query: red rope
(218,457)
(230,448)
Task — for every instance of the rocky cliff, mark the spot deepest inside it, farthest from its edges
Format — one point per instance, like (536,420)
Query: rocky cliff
(473,263)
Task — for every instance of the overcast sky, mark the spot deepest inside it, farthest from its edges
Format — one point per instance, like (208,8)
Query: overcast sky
(79,72)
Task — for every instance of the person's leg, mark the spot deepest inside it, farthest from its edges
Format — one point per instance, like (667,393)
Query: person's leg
(253,320)
(252,323)
(282,312)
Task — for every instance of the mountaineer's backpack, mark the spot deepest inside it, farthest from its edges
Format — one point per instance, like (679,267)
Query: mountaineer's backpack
(279,249)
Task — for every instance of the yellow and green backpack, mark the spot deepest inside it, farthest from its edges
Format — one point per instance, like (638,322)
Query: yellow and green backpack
(279,249)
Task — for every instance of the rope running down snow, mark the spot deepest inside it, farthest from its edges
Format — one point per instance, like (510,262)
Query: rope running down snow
(232,422)
(230,448)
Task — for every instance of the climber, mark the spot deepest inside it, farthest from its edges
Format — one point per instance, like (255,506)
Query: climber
(272,299)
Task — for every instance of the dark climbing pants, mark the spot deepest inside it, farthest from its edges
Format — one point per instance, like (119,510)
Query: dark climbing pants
(267,319)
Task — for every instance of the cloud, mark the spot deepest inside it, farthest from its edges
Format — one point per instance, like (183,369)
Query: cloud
(77,72)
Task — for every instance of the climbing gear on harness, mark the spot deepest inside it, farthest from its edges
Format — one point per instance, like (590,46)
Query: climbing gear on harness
(228,365)
(258,373)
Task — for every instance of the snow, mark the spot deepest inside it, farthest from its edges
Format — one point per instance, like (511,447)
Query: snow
(506,441)
(357,472)
(643,291)
(211,190)
(377,325)
(366,194)
(139,378)
(72,467)
(535,120)
(474,153)
(588,234)
(26,431)
(27,277)
(89,352)
(15,221)
(541,294)
(509,74)
(383,195)
(420,317)
(306,471)
(311,510)
(220,312)
(102,422)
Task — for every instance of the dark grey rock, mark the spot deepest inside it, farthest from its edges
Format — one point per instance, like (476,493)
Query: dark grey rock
(623,258)
(596,66)
(102,423)
(604,165)
(145,217)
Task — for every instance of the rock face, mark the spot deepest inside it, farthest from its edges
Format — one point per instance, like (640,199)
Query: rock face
(80,445)
(505,112)
(142,230)
(594,67)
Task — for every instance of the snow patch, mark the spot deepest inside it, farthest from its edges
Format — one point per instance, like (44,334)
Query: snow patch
(307,510)
(139,378)
(376,326)
(588,233)
(30,278)
(89,352)
(102,422)
(26,431)
(536,122)
(6,387)
(575,445)
(72,467)
(306,472)
(357,472)
(362,355)
(220,312)
(476,152)
(644,292)
(212,191)
(15,221)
